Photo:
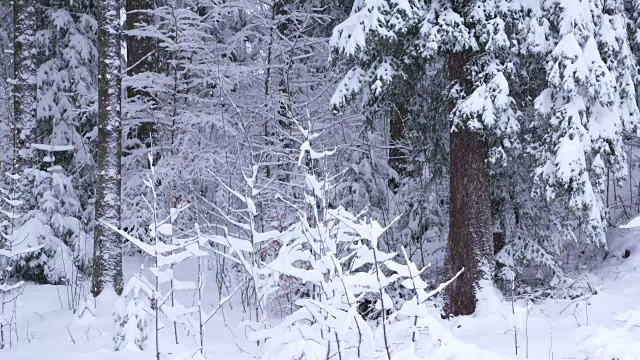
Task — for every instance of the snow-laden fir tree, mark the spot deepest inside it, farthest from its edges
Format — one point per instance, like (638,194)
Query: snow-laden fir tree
(13,251)
(67,88)
(66,92)
(579,70)
(55,224)
(589,102)
(132,314)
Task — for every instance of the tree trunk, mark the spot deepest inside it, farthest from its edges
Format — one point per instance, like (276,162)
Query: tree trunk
(397,155)
(470,243)
(107,257)
(24,95)
(140,59)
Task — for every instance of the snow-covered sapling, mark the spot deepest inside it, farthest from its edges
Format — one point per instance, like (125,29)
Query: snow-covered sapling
(132,314)
(165,256)
(12,250)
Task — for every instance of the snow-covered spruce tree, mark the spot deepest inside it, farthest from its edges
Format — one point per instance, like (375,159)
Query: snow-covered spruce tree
(132,314)
(107,256)
(488,50)
(579,71)
(13,251)
(54,224)
(589,102)
(66,90)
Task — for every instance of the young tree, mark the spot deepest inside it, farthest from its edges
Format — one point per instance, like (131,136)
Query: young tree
(13,250)
(107,260)
(132,314)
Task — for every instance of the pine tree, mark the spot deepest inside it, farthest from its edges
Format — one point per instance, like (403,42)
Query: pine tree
(107,260)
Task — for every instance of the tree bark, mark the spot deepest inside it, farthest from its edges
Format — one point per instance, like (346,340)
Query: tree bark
(140,59)
(397,125)
(107,257)
(470,243)
(24,95)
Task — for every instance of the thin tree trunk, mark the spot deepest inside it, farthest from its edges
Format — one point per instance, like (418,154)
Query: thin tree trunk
(107,260)
(397,155)
(470,243)
(24,94)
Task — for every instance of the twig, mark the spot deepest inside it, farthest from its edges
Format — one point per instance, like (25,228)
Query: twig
(222,302)
(70,336)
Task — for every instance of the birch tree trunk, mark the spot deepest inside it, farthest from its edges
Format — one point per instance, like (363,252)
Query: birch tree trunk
(107,257)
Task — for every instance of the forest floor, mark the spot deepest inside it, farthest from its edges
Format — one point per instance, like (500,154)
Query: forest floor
(596,327)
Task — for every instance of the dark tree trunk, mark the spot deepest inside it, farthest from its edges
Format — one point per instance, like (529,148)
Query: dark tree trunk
(107,257)
(470,243)
(24,95)
(397,125)
(140,59)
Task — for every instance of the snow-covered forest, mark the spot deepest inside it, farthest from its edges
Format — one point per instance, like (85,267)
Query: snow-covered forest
(319,179)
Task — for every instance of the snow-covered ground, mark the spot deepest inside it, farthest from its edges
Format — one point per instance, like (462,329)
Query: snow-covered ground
(598,327)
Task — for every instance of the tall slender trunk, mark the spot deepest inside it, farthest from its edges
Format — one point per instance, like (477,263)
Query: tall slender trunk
(107,258)
(470,243)
(24,94)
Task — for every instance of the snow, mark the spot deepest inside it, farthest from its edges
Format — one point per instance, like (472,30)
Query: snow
(634,223)
(577,50)
(601,326)
(47,329)
(45,147)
